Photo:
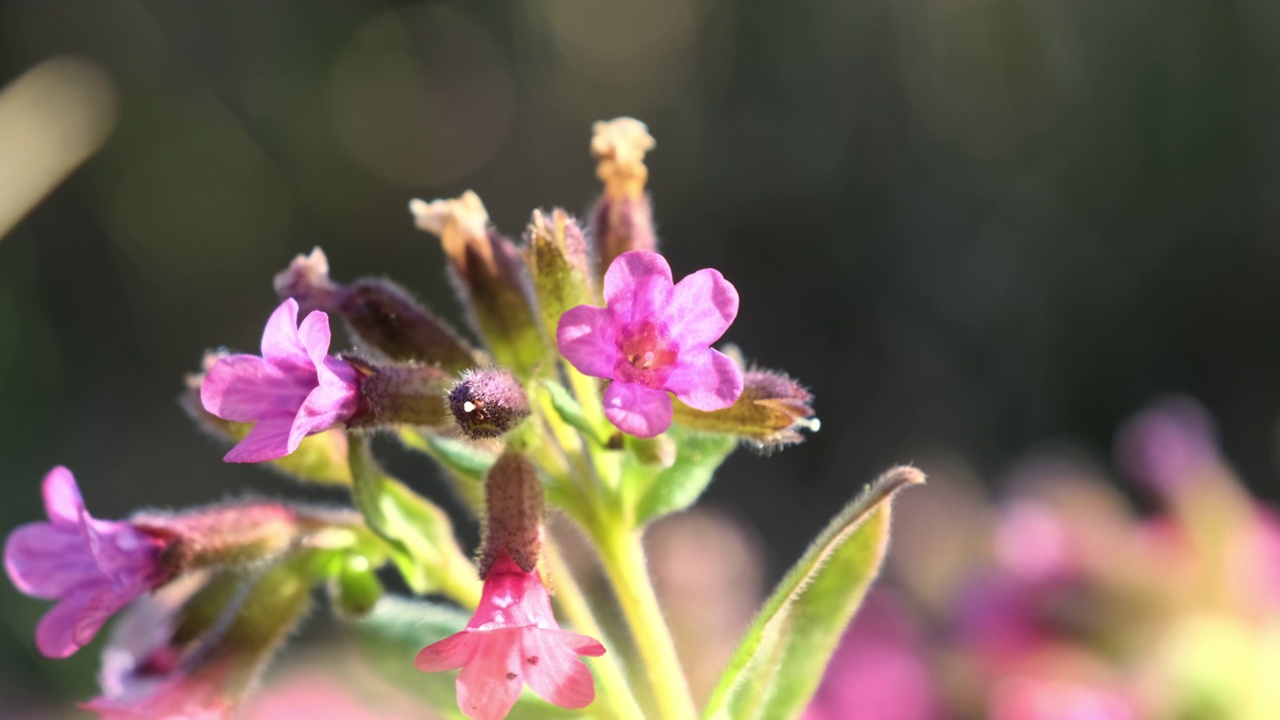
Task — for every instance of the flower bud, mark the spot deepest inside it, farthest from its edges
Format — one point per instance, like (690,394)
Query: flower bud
(557,254)
(488,403)
(769,414)
(622,219)
(233,534)
(398,394)
(514,513)
(384,316)
(491,276)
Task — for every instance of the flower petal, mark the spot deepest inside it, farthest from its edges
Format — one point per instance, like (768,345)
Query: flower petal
(98,609)
(706,380)
(637,286)
(580,644)
(636,409)
(447,654)
(55,635)
(314,335)
(490,684)
(245,388)
(554,672)
(586,338)
(268,440)
(326,406)
(280,337)
(701,308)
(62,500)
(45,560)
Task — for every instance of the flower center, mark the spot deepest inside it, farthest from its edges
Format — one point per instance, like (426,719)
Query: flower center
(647,358)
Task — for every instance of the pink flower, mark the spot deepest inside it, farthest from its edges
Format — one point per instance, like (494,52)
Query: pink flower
(652,338)
(92,567)
(178,697)
(295,389)
(512,640)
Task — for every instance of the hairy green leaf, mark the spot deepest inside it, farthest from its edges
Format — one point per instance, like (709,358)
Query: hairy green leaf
(776,668)
(661,491)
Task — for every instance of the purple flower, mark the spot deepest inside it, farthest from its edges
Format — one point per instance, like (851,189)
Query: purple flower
(92,567)
(293,390)
(652,338)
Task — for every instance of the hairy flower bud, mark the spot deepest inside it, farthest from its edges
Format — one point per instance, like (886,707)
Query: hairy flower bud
(622,219)
(514,513)
(224,535)
(558,259)
(491,276)
(769,414)
(399,394)
(488,403)
(384,316)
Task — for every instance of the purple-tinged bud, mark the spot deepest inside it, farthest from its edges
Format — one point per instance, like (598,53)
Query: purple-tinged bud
(769,414)
(1169,445)
(514,513)
(488,403)
(622,219)
(227,535)
(399,394)
(383,315)
(558,259)
(491,276)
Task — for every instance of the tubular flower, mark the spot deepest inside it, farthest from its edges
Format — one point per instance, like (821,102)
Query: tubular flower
(295,389)
(92,567)
(654,337)
(512,640)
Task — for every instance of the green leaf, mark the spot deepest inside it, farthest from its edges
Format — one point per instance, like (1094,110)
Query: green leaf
(661,491)
(397,629)
(777,666)
(570,411)
(463,462)
(420,534)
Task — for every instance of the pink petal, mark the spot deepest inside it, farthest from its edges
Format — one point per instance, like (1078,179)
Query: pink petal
(706,380)
(586,338)
(449,653)
(326,406)
(315,337)
(62,501)
(245,388)
(637,286)
(636,409)
(55,635)
(580,644)
(280,336)
(554,672)
(701,308)
(268,440)
(45,560)
(99,607)
(490,684)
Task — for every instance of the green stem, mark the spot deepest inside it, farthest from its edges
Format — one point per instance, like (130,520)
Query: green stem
(616,692)
(624,563)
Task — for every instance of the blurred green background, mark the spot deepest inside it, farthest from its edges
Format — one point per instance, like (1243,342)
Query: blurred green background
(968,225)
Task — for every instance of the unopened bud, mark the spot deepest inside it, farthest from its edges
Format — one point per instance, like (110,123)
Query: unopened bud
(492,278)
(622,219)
(398,394)
(558,259)
(514,513)
(223,536)
(769,414)
(488,403)
(384,316)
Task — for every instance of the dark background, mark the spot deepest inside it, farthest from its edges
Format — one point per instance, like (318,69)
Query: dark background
(969,226)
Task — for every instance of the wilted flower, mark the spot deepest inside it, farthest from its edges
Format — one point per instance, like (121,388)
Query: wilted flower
(653,337)
(293,390)
(92,567)
(513,639)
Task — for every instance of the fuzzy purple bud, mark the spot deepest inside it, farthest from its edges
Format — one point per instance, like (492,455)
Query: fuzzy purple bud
(770,414)
(398,394)
(488,403)
(514,513)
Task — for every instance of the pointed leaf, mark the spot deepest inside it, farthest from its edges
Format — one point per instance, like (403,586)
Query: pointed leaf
(666,490)
(776,668)
(569,410)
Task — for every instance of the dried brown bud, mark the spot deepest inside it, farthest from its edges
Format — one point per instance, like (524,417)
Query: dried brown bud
(515,513)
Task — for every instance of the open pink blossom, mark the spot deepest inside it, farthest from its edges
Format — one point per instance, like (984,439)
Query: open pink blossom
(512,640)
(293,390)
(93,568)
(652,338)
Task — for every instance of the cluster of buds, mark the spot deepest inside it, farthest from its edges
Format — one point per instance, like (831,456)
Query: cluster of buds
(591,384)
